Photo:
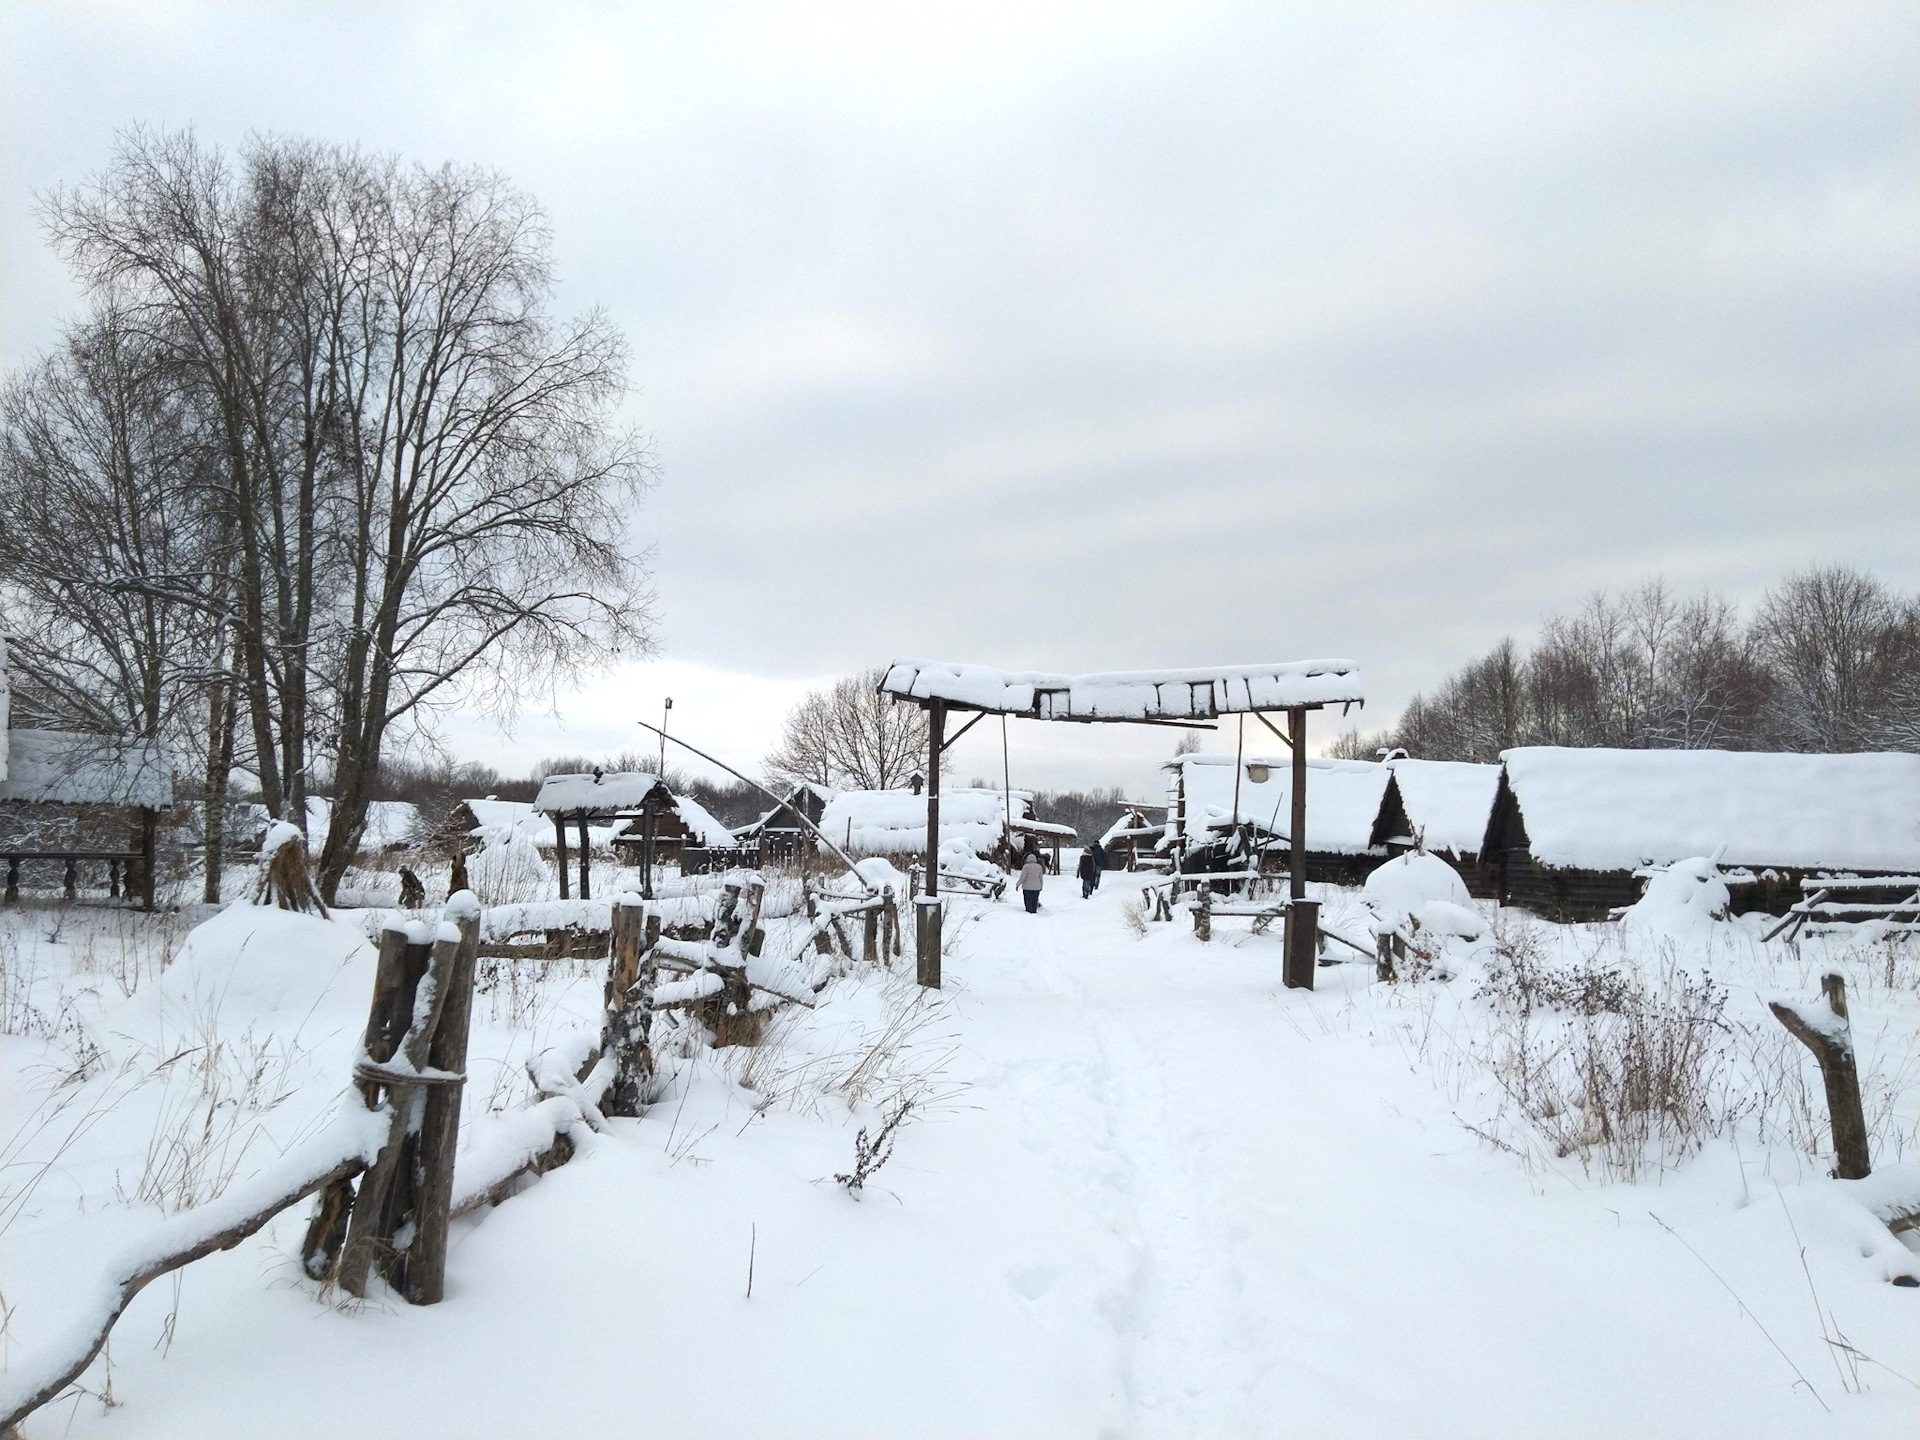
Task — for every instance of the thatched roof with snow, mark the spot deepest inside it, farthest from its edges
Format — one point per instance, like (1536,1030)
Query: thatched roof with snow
(1619,809)
(1448,802)
(66,767)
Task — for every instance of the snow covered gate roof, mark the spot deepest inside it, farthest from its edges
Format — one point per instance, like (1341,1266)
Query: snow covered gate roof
(1619,809)
(595,793)
(1120,695)
(65,767)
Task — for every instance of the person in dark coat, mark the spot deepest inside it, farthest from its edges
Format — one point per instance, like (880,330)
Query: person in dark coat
(1089,871)
(1099,862)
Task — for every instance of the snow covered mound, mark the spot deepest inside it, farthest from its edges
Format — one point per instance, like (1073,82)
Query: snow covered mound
(879,873)
(1444,917)
(256,961)
(1404,886)
(1686,898)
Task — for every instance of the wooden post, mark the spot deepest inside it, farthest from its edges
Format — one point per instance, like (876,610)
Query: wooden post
(586,861)
(1301,942)
(1203,914)
(926,929)
(560,851)
(821,944)
(13,880)
(73,878)
(626,1031)
(425,1275)
(328,1227)
(890,936)
(149,827)
(870,935)
(1297,848)
(386,1202)
(1383,968)
(646,851)
(1830,1038)
(113,879)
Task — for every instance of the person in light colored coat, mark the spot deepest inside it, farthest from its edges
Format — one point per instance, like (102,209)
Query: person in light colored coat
(1032,876)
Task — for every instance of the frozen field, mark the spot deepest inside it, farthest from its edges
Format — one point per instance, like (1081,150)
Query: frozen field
(1142,1190)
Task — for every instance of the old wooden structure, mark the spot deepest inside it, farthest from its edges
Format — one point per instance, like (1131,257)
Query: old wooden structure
(67,799)
(648,821)
(1180,698)
(1131,837)
(1572,831)
(783,834)
(1231,812)
(1447,805)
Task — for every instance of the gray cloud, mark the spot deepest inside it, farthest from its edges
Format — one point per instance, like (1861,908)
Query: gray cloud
(1111,338)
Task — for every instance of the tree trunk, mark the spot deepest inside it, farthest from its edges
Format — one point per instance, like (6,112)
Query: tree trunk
(1830,1038)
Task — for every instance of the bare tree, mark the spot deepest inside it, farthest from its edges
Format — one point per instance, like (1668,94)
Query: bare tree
(851,735)
(1843,651)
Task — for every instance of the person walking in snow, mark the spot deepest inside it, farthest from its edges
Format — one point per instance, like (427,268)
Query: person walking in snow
(1032,876)
(1099,863)
(1089,873)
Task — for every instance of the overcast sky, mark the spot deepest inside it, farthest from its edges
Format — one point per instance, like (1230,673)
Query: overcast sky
(1098,339)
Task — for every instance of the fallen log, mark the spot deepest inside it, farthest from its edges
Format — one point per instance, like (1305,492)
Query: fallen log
(346,1147)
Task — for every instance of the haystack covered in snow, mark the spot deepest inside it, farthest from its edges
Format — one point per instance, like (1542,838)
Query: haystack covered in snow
(1353,810)
(1448,804)
(1571,827)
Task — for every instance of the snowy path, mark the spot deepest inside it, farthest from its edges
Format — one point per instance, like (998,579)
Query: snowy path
(1174,1199)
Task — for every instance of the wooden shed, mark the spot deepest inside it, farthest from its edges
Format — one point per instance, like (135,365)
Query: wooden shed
(1448,805)
(1353,812)
(778,835)
(1571,827)
(85,804)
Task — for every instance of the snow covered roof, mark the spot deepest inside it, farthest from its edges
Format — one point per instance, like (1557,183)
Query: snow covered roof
(1344,799)
(1448,802)
(701,825)
(65,767)
(1198,694)
(508,816)
(894,822)
(622,790)
(1619,809)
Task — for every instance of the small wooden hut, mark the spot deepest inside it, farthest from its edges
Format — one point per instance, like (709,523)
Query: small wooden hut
(1129,836)
(1448,804)
(1353,812)
(1571,828)
(67,797)
(778,836)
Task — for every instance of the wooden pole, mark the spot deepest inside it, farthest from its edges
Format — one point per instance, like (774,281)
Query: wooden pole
(425,1275)
(1832,1047)
(625,1032)
(1239,762)
(586,860)
(1299,934)
(148,825)
(927,910)
(560,844)
(646,847)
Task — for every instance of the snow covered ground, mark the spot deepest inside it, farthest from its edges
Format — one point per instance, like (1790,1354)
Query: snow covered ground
(1143,1190)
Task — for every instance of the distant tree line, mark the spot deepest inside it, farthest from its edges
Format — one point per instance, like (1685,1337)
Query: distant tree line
(1828,661)
(315,463)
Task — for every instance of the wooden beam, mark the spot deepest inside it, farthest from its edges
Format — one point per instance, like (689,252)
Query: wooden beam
(560,843)
(927,908)
(1271,726)
(962,730)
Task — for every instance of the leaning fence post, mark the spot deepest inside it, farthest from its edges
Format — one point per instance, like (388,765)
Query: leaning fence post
(425,1264)
(386,1200)
(626,1031)
(1829,1036)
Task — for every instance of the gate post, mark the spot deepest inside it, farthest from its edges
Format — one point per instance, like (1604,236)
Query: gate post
(1302,944)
